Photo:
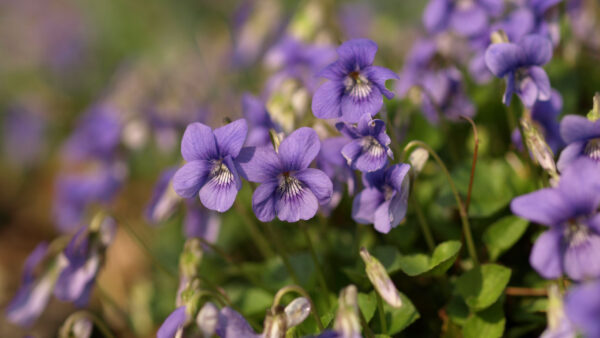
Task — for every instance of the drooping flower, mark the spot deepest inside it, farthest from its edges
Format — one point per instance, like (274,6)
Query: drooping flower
(546,113)
(83,257)
(289,189)
(259,121)
(582,305)
(35,291)
(355,86)
(369,149)
(334,165)
(466,18)
(582,137)
(384,199)
(573,239)
(210,171)
(519,63)
(380,279)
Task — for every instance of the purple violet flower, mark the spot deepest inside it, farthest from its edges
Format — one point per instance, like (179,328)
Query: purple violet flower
(466,18)
(369,149)
(35,291)
(520,65)
(334,165)
(572,242)
(163,202)
(174,323)
(582,305)
(233,325)
(289,189)
(83,257)
(582,137)
(355,86)
(201,222)
(384,199)
(210,171)
(259,121)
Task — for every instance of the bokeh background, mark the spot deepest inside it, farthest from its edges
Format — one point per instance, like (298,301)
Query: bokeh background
(158,65)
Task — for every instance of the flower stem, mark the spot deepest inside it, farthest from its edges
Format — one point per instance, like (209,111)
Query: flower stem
(282,252)
(474,162)
(256,234)
(382,320)
(303,293)
(461,208)
(318,267)
(363,322)
(423,223)
(146,249)
(526,292)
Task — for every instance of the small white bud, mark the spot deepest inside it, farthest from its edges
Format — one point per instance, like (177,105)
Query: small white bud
(380,279)
(207,319)
(297,311)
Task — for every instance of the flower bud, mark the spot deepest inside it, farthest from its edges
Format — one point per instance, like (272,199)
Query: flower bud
(275,323)
(76,326)
(380,279)
(540,150)
(594,114)
(347,323)
(417,159)
(207,319)
(297,311)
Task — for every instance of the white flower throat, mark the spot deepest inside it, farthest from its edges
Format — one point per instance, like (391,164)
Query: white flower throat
(220,173)
(357,85)
(592,149)
(371,146)
(289,186)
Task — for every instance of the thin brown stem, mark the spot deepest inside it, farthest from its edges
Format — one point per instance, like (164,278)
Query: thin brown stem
(525,292)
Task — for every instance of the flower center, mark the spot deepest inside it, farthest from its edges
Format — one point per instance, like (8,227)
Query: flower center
(592,149)
(289,186)
(357,85)
(371,146)
(220,173)
(388,192)
(576,233)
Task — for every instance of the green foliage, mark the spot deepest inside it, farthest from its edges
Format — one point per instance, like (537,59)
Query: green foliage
(442,258)
(482,286)
(487,323)
(503,234)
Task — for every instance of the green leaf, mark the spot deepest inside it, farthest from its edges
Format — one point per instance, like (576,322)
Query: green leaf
(457,310)
(398,319)
(503,234)
(389,256)
(482,286)
(250,301)
(488,323)
(440,261)
(367,303)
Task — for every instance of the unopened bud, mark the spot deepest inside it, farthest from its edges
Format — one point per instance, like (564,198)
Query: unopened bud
(207,319)
(380,279)
(347,323)
(594,114)
(275,323)
(499,36)
(76,326)
(540,150)
(297,311)
(417,159)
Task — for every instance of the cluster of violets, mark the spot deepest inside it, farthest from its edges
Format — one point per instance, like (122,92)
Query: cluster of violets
(297,171)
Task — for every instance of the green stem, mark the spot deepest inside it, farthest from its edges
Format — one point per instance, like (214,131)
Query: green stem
(461,208)
(146,249)
(363,322)
(318,267)
(256,234)
(275,238)
(303,293)
(382,320)
(423,223)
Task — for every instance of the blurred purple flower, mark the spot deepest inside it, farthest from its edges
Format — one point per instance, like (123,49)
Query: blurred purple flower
(162,203)
(520,65)
(546,113)
(585,23)
(201,222)
(466,18)
(210,171)
(173,324)
(233,325)
(369,148)
(23,135)
(35,291)
(582,305)
(295,59)
(355,86)
(582,137)
(83,257)
(289,189)
(384,200)
(334,165)
(355,19)
(572,242)
(259,121)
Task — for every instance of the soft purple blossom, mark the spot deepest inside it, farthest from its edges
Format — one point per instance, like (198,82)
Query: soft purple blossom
(334,165)
(289,189)
(572,241)
(23,135)
(466,18)
(83,257)
(519,63)
(35,291)
(259,121)
(162,203)
(369,148)
(355,86)
(356,19)
(384,200)
(582,305)
(234,325)
(201,222)
(210,171)
(173,324)
(582,137)
(584,23)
